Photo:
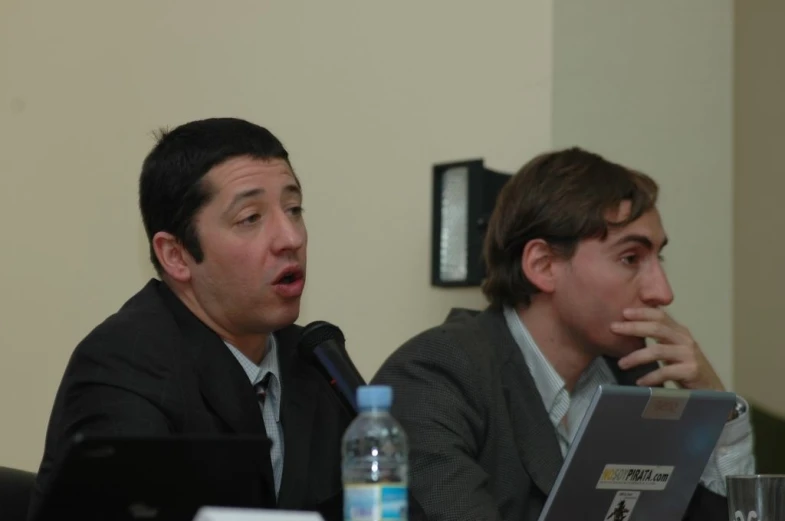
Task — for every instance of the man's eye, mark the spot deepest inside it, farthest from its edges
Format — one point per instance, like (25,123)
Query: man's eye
(251,219)
(296,211)
(629,259)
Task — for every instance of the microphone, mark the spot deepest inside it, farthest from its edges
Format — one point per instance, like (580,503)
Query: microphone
(324,344)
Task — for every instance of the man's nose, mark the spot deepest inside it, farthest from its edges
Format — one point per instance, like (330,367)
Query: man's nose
(657,290)
(289,232)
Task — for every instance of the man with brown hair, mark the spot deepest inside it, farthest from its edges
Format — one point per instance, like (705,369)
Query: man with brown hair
(491,400)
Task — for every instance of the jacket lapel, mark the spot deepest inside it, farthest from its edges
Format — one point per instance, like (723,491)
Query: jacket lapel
(538,447)
(298,406)
(226,387)
(223,383)
(534,434)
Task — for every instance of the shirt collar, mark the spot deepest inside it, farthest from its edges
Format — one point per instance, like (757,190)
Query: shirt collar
(548,382)
(255,373)
(546,379)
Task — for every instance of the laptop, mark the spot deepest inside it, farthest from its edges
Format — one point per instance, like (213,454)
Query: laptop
(157,478)
(638,454)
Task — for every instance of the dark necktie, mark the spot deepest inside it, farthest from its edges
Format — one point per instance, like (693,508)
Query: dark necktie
(261,388)
(271,427)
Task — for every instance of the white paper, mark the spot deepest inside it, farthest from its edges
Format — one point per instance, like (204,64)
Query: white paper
(253,514)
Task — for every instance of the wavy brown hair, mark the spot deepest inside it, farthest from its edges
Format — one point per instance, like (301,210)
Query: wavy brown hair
(561,197)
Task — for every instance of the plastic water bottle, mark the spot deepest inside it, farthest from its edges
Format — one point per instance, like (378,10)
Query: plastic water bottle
(375,461)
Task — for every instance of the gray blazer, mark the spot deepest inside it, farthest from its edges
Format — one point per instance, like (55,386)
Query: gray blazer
(482,446)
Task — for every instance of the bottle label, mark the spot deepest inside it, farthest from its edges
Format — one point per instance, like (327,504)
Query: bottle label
(376,502)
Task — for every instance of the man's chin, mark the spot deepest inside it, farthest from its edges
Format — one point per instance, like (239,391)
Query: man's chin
(626,346)
(287,315)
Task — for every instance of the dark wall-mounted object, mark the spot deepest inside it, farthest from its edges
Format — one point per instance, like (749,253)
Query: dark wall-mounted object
(464,194)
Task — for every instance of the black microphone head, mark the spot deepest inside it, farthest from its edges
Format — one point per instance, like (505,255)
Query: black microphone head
(316,333)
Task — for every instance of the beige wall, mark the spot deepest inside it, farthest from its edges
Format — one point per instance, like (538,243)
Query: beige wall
(366,95)
(758,189)
(649,84)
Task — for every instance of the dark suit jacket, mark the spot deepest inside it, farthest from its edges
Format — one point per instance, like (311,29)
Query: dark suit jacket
(154,369)
(482,446)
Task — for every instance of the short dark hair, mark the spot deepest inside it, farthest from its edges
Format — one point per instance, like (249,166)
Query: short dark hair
(561,197)
(171,187)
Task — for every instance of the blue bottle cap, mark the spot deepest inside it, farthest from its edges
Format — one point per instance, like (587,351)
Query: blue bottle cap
(374,397)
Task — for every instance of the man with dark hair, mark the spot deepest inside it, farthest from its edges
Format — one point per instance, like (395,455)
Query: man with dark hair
(491,400)
(210,348)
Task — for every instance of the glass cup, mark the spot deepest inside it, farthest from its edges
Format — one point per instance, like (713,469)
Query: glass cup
(756,497)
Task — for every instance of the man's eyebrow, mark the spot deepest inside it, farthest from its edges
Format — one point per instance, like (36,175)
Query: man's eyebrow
(293,189)
(242,196)
(639,239)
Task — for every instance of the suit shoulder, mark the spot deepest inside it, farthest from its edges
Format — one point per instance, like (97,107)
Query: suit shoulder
(460,330)
(457,341)
(142,323)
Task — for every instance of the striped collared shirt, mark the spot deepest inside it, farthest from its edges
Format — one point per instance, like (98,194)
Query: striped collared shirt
(271,410)
(565,411)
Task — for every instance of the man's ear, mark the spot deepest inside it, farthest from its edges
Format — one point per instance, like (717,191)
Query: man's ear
(537,263)
(172,256)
